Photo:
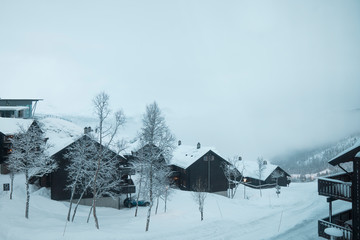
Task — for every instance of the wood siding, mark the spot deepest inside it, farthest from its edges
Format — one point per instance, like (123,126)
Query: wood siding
(58,179)
(187,179)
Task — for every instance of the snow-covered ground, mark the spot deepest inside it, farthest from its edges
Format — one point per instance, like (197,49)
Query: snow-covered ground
(293,215)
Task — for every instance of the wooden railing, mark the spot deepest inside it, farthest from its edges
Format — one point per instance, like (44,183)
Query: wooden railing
(335,186)
(322,225)
(127,189)
(338,222)
(127,171)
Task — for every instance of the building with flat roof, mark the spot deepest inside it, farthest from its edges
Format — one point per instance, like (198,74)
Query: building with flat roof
(18,108)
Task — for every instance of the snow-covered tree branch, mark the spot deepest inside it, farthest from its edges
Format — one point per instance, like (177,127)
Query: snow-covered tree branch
(156,146)
(260,170)
(199,196)
(106,133)
(30,157)
(233,171)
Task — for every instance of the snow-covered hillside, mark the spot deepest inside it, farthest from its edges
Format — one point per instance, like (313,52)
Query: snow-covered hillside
(292,216)
(314,161)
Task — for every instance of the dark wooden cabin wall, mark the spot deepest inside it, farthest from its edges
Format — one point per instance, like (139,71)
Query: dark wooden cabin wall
(199,171)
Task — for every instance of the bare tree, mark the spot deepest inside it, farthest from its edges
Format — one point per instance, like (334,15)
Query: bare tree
(13,171)
(168,192)
(161,184)
(156,146)
(29,156)
(139,167)
(260,170)
(105,133)
(80,168)
(233,171)
(199,196)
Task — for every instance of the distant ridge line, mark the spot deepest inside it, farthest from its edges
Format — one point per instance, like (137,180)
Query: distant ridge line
(42,116)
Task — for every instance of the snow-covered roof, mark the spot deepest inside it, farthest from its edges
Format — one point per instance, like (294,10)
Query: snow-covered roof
(61,133)
(185,155)
(9,126)
(251,169)
(346,155)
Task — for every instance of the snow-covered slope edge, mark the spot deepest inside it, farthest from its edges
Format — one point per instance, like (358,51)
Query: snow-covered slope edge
(268,217)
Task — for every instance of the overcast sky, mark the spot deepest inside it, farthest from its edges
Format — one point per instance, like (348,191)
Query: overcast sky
(253,78)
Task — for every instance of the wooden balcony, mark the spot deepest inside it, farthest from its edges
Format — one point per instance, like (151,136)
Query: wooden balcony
(340,221)
(127,189)
(336,186)
(127,186)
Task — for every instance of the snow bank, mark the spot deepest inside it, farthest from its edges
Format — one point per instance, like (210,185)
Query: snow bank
(298,207)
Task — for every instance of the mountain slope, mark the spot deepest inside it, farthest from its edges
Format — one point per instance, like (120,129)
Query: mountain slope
(312,161)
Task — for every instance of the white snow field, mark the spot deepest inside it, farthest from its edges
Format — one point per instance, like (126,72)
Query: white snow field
(293,215)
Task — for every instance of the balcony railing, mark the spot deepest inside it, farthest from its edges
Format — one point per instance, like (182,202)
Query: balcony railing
(336,186)
(127,189)
(339,221)
(127,171)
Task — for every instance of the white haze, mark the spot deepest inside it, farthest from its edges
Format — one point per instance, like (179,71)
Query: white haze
(247,77)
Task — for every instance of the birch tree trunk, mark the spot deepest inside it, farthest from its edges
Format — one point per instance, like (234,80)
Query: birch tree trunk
(139,190)
(94,197)
(71,201)
(27,194)
(157,205)
(91,208)
(78,202)
(151,199)
(12,176)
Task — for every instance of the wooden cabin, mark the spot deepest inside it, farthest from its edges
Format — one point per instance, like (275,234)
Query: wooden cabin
(57,180)
(14,113)
(8,128)
(251,176)
(62,135)
(344,186)
(192,165)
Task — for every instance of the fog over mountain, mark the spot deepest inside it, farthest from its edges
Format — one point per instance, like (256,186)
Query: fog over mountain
(315,160)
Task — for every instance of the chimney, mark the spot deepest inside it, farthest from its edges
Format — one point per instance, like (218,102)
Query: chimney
(87,130)
(179,142)
(198,145)
(265,163)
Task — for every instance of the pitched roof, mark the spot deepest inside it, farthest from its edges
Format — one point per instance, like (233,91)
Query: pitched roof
(184,155)
(61,133)
(251,169)
(346,155)
(9,126)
